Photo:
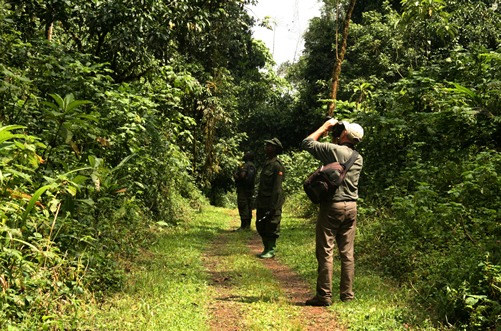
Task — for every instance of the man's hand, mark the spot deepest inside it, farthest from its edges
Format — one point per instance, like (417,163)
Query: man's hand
(326,127)
(329,124)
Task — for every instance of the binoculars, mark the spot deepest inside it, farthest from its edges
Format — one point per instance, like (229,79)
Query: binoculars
(337,129)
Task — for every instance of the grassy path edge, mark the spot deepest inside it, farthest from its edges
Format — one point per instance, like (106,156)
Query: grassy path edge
(170,287)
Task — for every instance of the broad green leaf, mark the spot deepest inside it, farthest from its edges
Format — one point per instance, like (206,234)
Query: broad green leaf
(123,162)
(51,105)
(24,242)
(5,133)
(59,100)
(11,127)
(88,201)
(34,199)
(89,117)
(71,190)
(79,179)
(75,104)
(17,173)
(76,170)
(19,145)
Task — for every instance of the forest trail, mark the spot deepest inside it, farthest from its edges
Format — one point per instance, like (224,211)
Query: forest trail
(228,309)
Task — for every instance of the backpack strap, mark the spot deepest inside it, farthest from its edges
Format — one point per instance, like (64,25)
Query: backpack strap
(350,161)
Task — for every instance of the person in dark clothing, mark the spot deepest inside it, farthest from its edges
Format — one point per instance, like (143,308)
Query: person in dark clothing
(270,198)
(336,222)
(245,182)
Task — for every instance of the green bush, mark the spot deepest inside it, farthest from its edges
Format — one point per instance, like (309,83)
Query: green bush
(84,200)
(434,239)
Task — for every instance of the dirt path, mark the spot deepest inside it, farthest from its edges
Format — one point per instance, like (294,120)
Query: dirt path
(226,309)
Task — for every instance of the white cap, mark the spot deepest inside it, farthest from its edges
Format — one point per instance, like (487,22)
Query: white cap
(354,131)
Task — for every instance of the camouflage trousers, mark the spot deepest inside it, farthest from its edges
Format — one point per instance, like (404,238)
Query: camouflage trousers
(268,228)
(245,205)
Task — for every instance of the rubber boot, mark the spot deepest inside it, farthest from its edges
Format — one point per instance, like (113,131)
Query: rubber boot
(270,249)
(265,249)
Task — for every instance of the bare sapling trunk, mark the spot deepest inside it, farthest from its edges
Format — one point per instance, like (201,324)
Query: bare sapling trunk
(49,30)
(340,57)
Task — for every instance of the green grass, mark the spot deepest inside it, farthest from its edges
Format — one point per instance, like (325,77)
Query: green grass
(169,288)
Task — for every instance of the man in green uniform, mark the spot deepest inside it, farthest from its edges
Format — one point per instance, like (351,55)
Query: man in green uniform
(337,218)
(244,181)
(270,198)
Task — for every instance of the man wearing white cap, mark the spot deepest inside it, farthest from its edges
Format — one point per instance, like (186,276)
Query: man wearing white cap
(336,220)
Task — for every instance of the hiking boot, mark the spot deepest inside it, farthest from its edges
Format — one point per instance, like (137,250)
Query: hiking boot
(347,299)
(317,302)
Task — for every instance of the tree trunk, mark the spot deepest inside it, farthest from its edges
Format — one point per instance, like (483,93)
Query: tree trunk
(339,58)
(48,30)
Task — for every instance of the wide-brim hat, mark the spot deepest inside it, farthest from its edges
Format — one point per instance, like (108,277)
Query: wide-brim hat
(275,142)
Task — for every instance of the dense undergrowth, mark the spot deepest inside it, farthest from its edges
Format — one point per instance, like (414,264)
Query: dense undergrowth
(81,187)
(64,243)
(91,160)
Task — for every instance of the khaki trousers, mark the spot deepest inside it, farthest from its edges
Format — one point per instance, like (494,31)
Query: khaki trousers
(336,223)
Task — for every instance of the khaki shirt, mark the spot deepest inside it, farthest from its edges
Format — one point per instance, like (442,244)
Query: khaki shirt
(270,194)
(330,152)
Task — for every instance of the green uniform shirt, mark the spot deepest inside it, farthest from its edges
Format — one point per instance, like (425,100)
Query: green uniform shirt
(328,153)
(270,194)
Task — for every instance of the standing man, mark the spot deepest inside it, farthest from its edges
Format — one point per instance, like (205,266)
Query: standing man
(270,198)
(337,218)
(245,181)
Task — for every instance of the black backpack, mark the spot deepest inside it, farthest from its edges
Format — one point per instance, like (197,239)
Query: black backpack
(323,182)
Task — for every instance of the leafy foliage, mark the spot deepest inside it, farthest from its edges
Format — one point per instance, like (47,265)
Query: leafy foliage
(426,90)
(115,116)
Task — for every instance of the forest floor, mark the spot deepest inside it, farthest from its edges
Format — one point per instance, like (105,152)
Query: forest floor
(202,275)
(227,309)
